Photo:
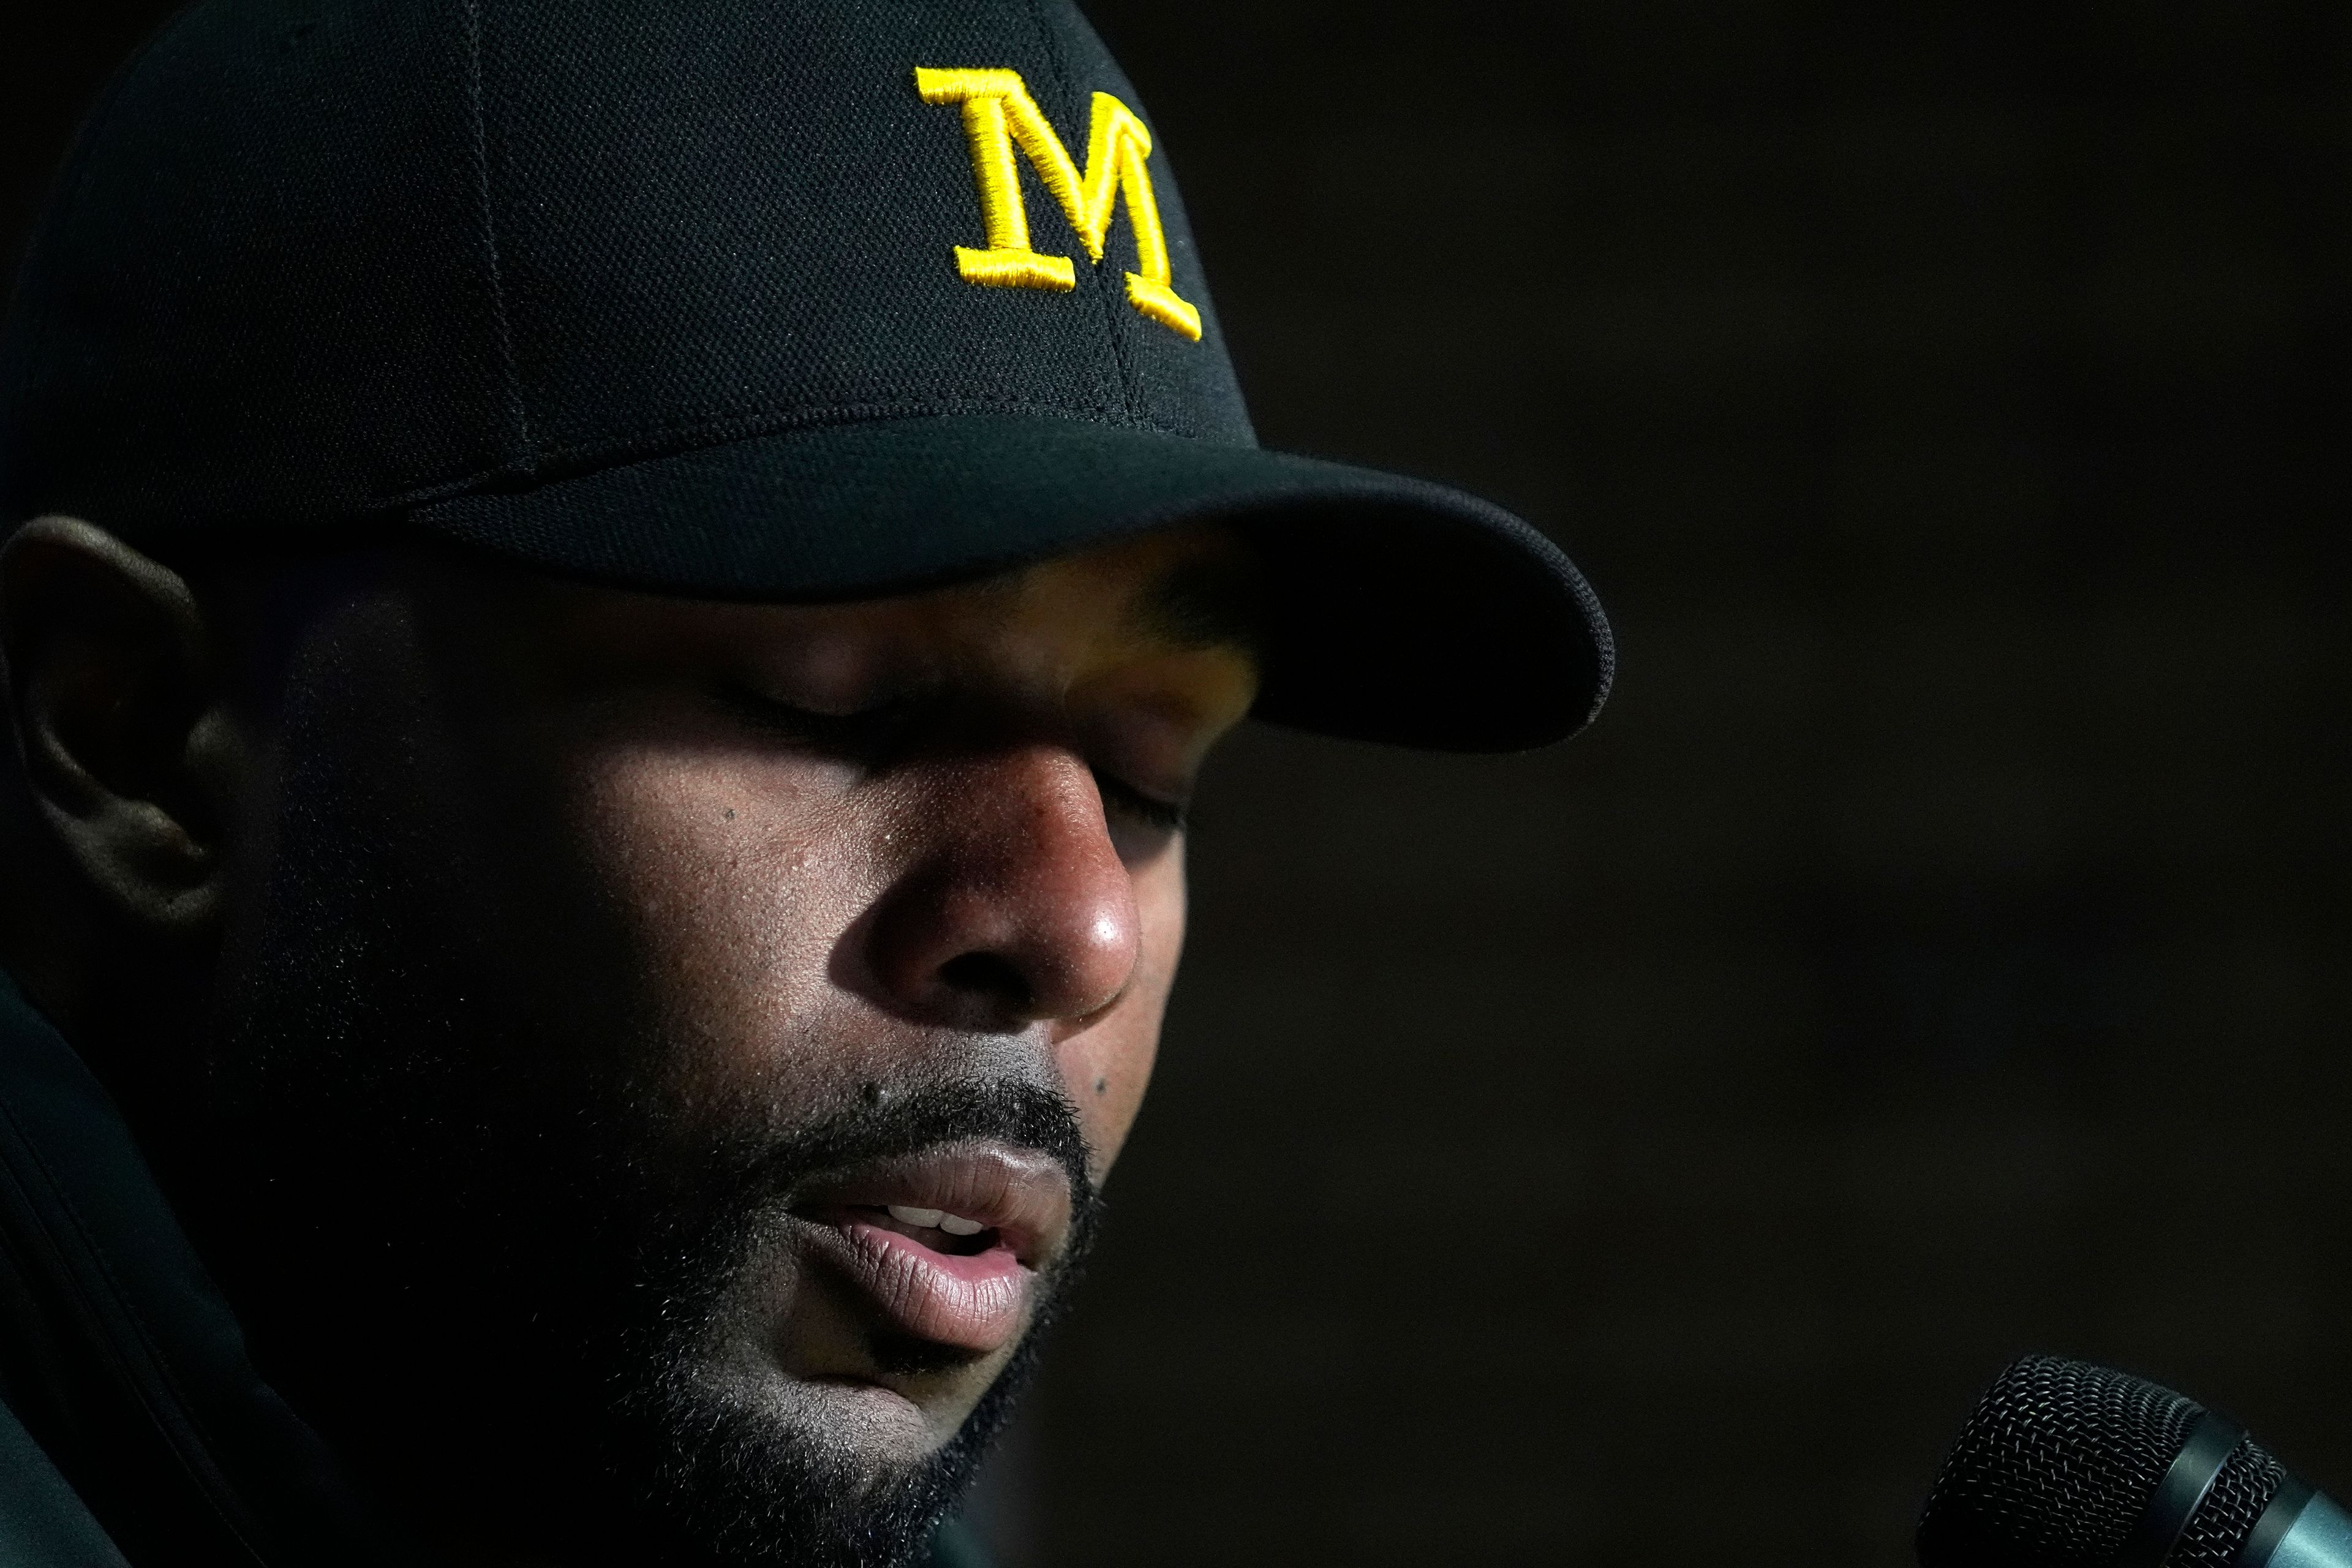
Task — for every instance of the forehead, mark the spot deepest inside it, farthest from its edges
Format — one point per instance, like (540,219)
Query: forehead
(1183,590)
(1189,597)
(1187,589)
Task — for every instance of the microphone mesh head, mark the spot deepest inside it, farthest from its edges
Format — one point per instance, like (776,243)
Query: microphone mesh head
(2247,1481)
(2053,1468)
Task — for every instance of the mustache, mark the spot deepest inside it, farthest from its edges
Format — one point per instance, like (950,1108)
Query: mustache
(908,1121)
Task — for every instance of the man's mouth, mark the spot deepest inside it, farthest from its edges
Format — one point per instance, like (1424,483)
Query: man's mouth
(944,1245)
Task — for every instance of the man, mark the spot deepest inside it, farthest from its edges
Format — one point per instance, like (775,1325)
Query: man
(612,608)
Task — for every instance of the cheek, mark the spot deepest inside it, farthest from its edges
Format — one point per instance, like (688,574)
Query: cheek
(1107,1067)
(731,878)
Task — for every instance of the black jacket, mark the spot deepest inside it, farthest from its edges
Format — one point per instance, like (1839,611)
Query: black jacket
(134,1431)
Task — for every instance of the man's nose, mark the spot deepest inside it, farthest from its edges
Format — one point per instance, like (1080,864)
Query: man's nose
(1015,908)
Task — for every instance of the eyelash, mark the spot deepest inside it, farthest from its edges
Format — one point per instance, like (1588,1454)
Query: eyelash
(854,734)
(858,734)
(1118,794)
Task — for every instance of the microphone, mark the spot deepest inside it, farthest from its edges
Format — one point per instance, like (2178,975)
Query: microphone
(2068,1465)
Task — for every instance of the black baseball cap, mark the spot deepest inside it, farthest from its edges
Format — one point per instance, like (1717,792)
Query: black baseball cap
(778,299)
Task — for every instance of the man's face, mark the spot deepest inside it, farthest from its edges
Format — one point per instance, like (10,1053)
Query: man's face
(665,1051)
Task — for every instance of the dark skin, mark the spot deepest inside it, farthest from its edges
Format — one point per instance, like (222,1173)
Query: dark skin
(702,875)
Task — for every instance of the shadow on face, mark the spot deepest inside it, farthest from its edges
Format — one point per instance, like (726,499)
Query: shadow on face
(658,1054)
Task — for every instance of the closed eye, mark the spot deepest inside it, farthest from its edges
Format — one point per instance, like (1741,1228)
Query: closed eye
(1148,810)
(868,735)
(864,735)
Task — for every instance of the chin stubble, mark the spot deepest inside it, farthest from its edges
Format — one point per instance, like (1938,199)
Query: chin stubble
(730,1464)
(436,1220)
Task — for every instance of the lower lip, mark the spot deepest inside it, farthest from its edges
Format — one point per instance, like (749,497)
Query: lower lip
(973,1301)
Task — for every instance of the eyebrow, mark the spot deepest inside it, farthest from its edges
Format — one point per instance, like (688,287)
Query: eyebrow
(1203,603)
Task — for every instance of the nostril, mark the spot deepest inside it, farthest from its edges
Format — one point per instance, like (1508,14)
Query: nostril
(990,976)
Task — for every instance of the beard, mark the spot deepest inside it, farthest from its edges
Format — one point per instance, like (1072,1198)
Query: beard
(469,1236)
(721,1474)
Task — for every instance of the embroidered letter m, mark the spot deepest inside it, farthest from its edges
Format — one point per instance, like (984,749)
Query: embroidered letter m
(999,115)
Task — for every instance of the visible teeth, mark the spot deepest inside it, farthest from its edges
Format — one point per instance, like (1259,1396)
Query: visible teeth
(935,1219)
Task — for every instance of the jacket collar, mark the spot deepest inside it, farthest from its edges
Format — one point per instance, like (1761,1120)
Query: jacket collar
(121,1354)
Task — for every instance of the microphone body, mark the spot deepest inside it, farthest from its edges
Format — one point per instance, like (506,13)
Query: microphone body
(2319,1535)
(2065,1464)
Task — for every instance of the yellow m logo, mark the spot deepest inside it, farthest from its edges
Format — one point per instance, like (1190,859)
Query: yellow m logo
(999,115)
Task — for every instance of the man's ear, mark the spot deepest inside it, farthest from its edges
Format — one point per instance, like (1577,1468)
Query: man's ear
(128,750)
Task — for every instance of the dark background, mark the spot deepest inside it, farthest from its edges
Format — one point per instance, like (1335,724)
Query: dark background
(1644,1150)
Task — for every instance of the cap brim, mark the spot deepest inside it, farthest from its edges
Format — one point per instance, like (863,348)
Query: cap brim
(1402,611)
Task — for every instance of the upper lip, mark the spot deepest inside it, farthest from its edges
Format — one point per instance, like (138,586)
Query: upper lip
(1022,1194)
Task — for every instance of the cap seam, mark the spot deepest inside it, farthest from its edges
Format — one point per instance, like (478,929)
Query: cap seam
(493,263)
(672,441)
(72,179)
(1105,305)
